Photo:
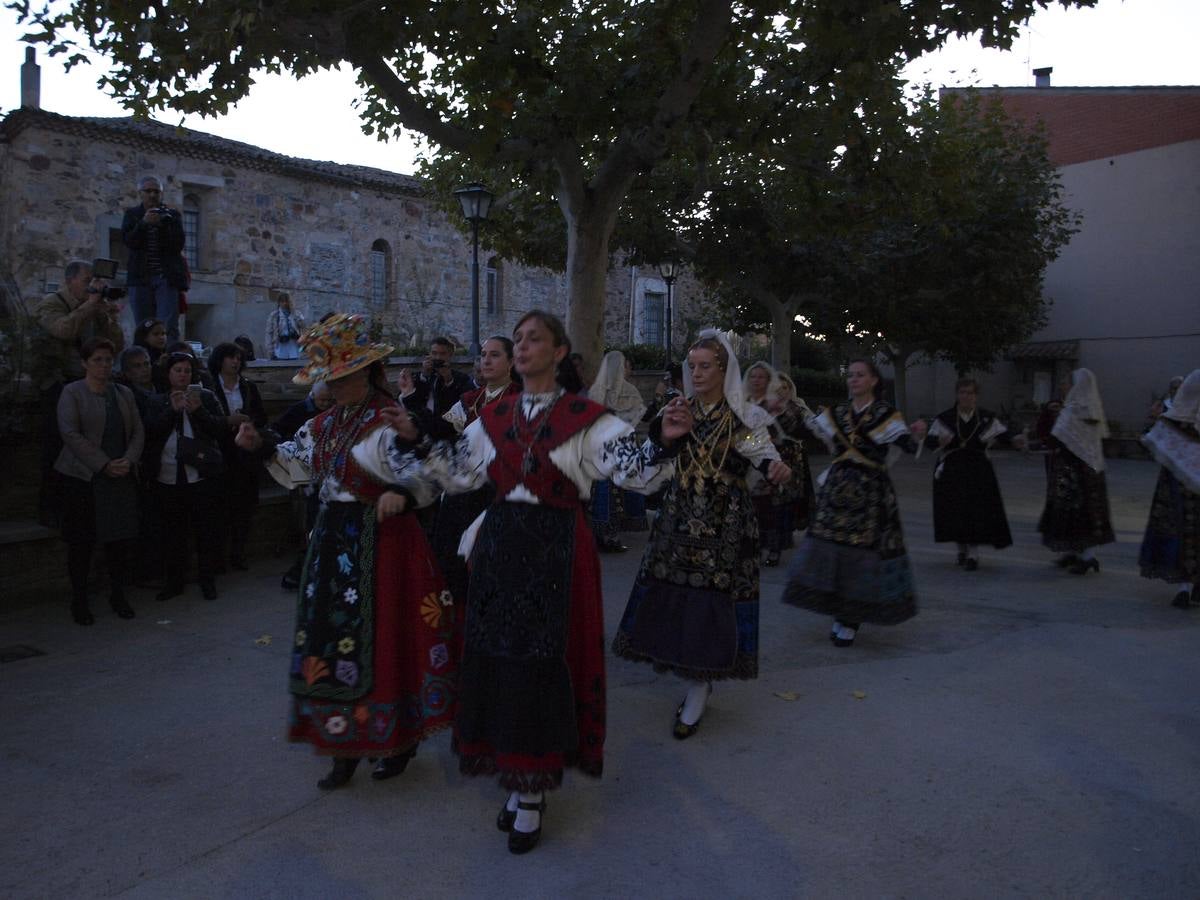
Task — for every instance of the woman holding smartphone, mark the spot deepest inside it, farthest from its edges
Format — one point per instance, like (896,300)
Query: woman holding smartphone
(189,499)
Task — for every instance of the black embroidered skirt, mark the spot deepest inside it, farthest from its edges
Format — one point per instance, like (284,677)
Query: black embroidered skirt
(532,689)
(1076,513)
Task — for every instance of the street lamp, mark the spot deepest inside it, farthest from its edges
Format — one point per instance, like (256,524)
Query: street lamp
(476,202)
(668,271)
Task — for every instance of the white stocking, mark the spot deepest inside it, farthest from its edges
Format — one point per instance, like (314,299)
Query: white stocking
(528,819)
(694,703)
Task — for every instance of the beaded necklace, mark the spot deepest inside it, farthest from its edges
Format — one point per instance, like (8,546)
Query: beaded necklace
(958,421)
(341,432)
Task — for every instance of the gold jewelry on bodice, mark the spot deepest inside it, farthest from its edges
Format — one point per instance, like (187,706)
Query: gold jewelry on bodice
(698,458)
(958,424)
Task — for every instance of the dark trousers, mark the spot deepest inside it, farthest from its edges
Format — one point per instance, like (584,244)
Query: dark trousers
(240,484)
(79,565)
(190,510)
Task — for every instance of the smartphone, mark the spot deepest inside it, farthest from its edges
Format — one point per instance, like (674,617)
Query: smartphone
(105,268)
(193,390)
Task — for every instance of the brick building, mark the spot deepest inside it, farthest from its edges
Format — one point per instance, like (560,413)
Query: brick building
(1126,289)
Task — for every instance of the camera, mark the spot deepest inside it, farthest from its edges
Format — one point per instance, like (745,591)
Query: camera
(437,363)
(165,213)
(105,268)
(108,293)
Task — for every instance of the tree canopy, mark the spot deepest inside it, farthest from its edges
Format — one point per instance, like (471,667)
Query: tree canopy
(564,105)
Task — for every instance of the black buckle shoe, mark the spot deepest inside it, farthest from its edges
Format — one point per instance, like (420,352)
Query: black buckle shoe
(121,606)
(1182,600)
(506,817)
(523,841)
(971,564)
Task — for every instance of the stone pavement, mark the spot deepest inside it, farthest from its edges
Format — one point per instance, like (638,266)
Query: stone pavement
(1031,733)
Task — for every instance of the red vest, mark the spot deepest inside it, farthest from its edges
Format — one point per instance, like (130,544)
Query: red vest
(524,458)
(350,475)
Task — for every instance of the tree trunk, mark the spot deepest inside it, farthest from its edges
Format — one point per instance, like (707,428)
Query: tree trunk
(587,271)
(899,360)
(783,320)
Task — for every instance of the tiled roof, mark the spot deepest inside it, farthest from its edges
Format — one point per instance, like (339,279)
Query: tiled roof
(199,145)
(1083,124)
(1045,350)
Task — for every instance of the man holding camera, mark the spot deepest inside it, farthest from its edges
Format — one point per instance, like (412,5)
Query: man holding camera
(438,387)
(79,310)
(154,235)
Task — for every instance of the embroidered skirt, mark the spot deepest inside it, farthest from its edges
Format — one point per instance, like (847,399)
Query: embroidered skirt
(693,609)
(1076,513)
(853,564)
(967,506)
(532,697)
(372,668)
(1171,546)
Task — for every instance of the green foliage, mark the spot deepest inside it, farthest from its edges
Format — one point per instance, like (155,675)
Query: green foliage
(610,117)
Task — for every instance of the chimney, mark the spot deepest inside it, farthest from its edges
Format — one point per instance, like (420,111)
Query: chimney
(1042,76)
(31,80)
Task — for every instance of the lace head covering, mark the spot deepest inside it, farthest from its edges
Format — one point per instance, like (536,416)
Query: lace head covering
(606,389)
(1174,448)
(751,414)
(1186,405)
(1081,426)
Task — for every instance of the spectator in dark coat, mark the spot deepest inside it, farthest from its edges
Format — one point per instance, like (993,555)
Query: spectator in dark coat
(156,274)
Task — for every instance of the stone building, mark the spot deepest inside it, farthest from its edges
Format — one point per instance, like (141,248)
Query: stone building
(335,237)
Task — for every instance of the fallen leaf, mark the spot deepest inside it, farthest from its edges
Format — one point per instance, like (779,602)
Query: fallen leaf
(164,621)
(263,641)
(860,695)
(787,695)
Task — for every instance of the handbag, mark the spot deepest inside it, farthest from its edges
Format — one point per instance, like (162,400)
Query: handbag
(201,454)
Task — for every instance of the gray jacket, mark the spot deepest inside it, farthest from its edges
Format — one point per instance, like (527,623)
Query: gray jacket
(81,424)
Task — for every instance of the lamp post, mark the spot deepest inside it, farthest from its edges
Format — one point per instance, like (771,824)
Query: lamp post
(476,202)
(668,272)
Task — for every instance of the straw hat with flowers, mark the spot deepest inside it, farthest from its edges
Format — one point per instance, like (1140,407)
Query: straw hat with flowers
(337,347)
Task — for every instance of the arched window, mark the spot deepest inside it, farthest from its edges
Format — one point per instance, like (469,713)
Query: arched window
(494,286)
(191,230)
(381,267)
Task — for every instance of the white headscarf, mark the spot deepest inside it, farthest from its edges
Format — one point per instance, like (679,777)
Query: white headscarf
(1185,407)
(1083,439)
(751,414)
(1173,449)
(607,387)
(772,381)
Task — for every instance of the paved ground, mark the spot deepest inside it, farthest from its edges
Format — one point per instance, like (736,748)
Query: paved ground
(1031,733)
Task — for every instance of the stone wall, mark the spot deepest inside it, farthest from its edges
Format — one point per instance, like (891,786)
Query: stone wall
(300,228)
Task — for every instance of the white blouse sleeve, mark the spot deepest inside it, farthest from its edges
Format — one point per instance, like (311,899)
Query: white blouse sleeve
(455,467)
(993,431)
(756,445)
(608,449)
(299,448)
(456,416)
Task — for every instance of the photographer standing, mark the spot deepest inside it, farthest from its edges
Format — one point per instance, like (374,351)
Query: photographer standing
(438,386)
(78,311)
(154,235)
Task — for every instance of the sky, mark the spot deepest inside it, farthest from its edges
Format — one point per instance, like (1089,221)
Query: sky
(1119,42)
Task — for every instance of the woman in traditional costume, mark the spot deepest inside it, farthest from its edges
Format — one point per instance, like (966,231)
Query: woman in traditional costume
(532,691)
(372,672)
(852,564)
(781,508)
(1171,546)
(609,506)
(693,610)
(967,507)
(1076,517)
(457,511)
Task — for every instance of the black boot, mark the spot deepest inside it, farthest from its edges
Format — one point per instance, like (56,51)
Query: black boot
(120,605)
(81,614)
(392,766)
(339,775)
